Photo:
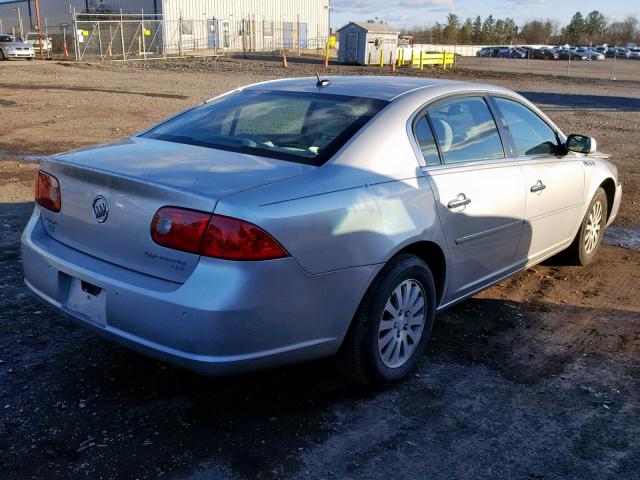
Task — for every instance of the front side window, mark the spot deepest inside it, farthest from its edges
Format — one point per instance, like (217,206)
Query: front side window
(296,126)
(466,131)
(530,134)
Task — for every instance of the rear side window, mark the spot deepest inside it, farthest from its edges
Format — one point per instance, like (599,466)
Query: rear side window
(466,131)
(530,134)
(426,141)
(296,126)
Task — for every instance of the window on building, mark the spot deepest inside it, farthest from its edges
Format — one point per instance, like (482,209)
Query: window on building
(186,27)
(267,29)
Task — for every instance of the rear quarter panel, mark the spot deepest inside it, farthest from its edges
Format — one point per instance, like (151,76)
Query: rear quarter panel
(360,208)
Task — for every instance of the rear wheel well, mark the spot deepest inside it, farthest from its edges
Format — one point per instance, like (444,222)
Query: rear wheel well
(609,188)
(433,256)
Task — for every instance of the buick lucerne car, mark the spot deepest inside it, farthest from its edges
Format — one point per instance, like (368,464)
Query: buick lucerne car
(301,218)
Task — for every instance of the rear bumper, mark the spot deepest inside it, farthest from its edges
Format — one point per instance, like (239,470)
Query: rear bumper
(228,317)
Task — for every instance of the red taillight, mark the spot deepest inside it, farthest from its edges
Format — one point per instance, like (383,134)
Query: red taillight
(48,192)
(235,239)
(213,235)
(179,229)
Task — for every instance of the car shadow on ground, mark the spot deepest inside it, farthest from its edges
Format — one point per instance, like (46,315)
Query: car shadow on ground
(78,405)
(564,101)
(86,401)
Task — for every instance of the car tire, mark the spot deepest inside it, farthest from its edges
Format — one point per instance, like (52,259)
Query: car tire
(30,58)
(2,57)
(584,247)
(364,357)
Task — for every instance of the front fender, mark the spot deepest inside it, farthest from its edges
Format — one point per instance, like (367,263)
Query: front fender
(599,171)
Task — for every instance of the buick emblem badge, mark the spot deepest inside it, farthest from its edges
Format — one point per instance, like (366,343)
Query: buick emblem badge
(100,209)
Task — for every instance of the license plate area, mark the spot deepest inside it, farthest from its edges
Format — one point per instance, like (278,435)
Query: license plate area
(86,301)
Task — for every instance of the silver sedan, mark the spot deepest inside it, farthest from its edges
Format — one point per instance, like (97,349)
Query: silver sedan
(14,47)
(302,218)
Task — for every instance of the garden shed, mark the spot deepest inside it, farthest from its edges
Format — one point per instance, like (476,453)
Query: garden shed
(362,43)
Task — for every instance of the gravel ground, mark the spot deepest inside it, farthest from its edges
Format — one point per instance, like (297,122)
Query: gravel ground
(538,377)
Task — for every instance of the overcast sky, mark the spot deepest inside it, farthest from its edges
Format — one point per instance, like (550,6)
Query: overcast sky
(407,13)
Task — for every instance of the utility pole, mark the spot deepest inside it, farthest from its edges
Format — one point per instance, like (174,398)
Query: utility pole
(39,31)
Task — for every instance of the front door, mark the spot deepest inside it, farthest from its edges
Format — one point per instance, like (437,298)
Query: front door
(554,184)
(554,194)
(479,193)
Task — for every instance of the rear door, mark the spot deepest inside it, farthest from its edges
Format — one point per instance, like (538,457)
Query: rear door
(554,183)
(479,192)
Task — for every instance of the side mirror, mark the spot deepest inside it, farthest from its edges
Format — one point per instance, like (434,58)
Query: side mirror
(581,144)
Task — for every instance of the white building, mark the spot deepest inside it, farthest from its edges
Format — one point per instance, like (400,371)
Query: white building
(233,24)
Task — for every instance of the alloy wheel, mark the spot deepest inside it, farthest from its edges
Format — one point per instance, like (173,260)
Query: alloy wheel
(402,323)
(593,229)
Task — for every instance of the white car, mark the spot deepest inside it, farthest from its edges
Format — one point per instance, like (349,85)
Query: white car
(596,55)
(634,53)
(32,39)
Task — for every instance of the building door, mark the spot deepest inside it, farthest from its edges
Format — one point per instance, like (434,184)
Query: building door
(213,33)
(303,35)
(287,35)
(351,55)
(226,35)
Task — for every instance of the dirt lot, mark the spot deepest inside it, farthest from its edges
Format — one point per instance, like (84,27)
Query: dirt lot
(538,377)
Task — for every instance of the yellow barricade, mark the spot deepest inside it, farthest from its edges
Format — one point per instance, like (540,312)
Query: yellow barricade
(448,59)
(418,59)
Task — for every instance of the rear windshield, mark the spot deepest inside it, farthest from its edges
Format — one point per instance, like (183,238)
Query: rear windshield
(296,126)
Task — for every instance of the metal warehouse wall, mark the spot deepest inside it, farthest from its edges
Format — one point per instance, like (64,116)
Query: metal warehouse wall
(57,12)
(280,16)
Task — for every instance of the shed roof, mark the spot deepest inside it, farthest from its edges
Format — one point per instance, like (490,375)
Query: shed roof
(373,27)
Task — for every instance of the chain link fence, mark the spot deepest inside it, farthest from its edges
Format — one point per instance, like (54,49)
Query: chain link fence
(135,37)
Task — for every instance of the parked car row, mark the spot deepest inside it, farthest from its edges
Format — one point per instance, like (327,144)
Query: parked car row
(611,51)
(560,52)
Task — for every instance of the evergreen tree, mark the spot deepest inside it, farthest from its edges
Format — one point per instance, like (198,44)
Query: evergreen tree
(595,25)
(574,31)
(450,31)
(488,33)
(465,34)
(477,30)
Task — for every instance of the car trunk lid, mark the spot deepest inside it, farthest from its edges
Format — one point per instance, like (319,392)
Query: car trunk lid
(137,177)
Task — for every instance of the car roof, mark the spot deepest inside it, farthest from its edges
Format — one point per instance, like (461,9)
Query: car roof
(368,86)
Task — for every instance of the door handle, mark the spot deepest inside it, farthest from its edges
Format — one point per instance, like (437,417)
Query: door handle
(459,202)
(538,187)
